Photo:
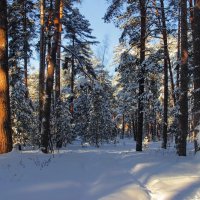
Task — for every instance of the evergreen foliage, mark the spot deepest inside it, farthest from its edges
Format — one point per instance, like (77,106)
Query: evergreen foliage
(22,30)
(23,115)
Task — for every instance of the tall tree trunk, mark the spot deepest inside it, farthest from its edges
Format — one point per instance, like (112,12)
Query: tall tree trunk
(178,51)
(166,59)
(196,43)
(5,123)
(25,47)
(42,62)
(183,117)
(141,80)
(57,76)
(51,63)
(176,121)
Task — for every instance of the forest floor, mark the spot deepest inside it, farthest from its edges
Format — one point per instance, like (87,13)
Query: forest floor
(111,172)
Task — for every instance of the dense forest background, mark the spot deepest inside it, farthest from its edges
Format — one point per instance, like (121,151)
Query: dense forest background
(154,93)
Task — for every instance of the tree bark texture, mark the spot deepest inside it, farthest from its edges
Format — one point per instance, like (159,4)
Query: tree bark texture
(57,76)
(196,108)
(166,59)
(51,64)
(183,117)
(42,62)
(5,123)
(141,79)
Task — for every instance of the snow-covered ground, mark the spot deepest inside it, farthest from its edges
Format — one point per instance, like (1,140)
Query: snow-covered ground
(112,172)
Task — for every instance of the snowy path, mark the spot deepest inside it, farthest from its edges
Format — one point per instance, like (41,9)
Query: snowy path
(108,173)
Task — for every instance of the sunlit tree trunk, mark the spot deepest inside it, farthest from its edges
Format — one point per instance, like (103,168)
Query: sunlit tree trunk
(57,76)
(183,117)
(141,79)
(5,127)
(42,62)
(196,108)
(57,73)
(51,64)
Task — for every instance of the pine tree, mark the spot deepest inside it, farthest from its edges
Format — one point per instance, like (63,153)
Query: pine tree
(183,118)
(5,128)
(132,23)
(196,73)
(127,74)
(23,116)
(21,33)
(141,79)
(79,36)
(51,64)
(42,62)
(82,109)
(166,59)
(57,72)
(61,122)
(109,128)
(33,80)
(101,126)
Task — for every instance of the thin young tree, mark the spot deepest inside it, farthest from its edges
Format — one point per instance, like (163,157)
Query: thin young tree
(5,127)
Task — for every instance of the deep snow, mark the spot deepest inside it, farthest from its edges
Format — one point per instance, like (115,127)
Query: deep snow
(111,172)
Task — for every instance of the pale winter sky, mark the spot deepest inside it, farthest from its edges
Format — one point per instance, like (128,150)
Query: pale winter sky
(94,11)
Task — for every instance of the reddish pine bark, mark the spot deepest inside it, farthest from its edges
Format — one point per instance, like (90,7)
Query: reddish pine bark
(5,127)
(51,64)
